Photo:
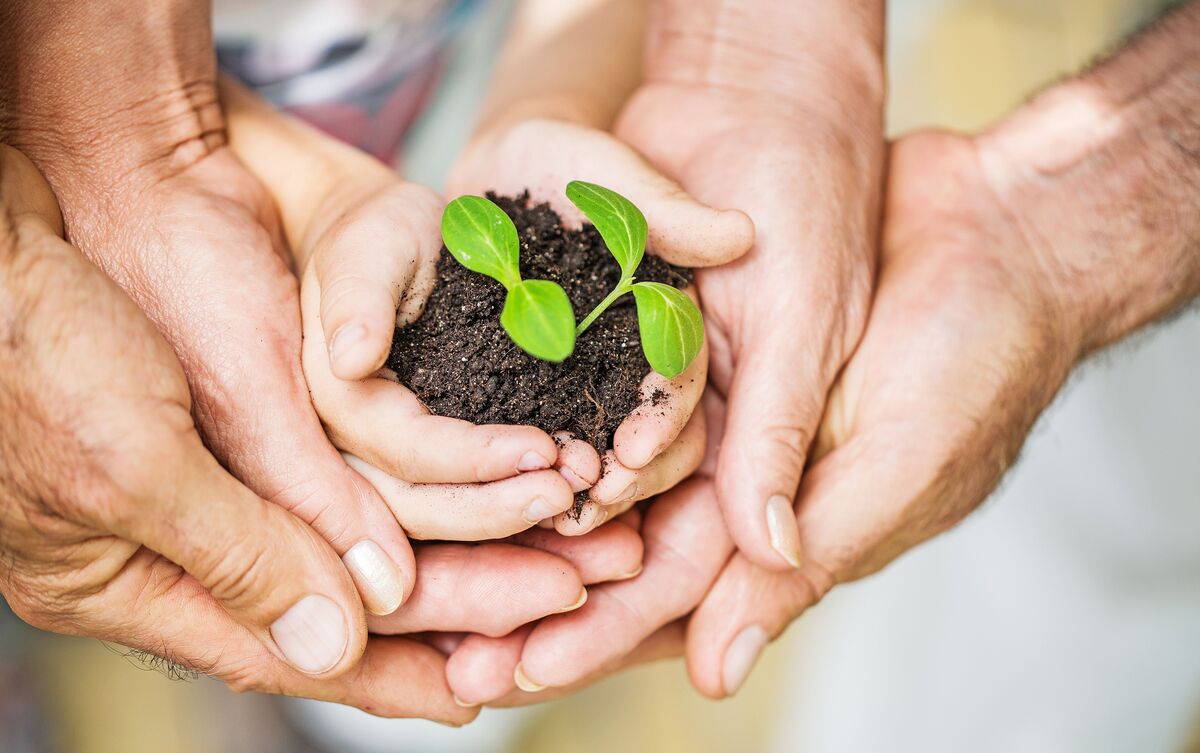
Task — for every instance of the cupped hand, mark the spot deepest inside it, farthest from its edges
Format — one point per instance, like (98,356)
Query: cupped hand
(367,243)
(963,350)
(686,546)
(196,243)
(657,445)
(118,524)
(782,319)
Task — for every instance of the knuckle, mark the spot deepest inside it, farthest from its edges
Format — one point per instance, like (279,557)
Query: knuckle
(239,574)
(344,289)
(787,444)
(42,607)
(246,675)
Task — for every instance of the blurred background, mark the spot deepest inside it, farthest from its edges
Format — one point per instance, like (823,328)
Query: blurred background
(1063,616)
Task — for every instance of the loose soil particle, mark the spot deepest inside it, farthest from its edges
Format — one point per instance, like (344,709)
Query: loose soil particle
(461,363)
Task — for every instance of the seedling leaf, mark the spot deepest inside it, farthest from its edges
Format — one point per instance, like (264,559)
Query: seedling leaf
(621,224)
(483,239)
(671,327)
(537,316)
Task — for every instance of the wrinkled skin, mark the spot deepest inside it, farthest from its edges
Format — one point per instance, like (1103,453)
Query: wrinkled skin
(895,462)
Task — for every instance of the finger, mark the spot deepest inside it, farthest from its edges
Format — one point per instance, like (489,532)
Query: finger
(662,412)
(155,608)
(470,512)
(382,422)
(609,553)
(746,608)
(775,404)
(447,643)
(686,546)
(583,517)
(858,510)
(578,461)
(481,669)
(259,422)
(682,230)
(490,589)
(265,567)
(666,642)
(370,260)
(621,487)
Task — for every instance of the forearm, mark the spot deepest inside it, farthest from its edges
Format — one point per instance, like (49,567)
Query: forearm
(574,61)
(1102,172)
(108,91)
(818,58)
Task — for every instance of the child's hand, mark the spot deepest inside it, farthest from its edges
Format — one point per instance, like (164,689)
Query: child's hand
(365,244)
(657,445)
(444,478)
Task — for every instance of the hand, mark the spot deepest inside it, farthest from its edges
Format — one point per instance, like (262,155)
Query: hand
(930,411)
(686,545)
(117,523)
(654,448)
(131,139)
(896,462)
(349,212)
(781,320)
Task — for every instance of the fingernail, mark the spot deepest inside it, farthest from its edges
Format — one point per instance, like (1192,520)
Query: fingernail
(463,703)
(600,519)
(625,495)
(740,657)
(539,509)
(377,577)
(627,576)
(578,602)
(312,634)
(781,525)
(524,683)
(577,483)
(532,461)
(347,336)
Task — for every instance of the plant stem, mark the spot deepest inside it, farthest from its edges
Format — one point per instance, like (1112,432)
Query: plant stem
(623,287)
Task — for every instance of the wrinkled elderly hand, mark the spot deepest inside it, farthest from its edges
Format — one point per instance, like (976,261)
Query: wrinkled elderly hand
(1006,259)
(740,119)
(130,136)
(781,320)
(116,522)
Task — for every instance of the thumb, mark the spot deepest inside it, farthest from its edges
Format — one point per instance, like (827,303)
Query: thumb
(774,408)
(268,570)
(379,253)
(682,230)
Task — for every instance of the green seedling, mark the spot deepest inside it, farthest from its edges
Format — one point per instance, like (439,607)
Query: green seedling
(537,314)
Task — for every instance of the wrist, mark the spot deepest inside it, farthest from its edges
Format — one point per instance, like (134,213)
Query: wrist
(103,92)
(818,54)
